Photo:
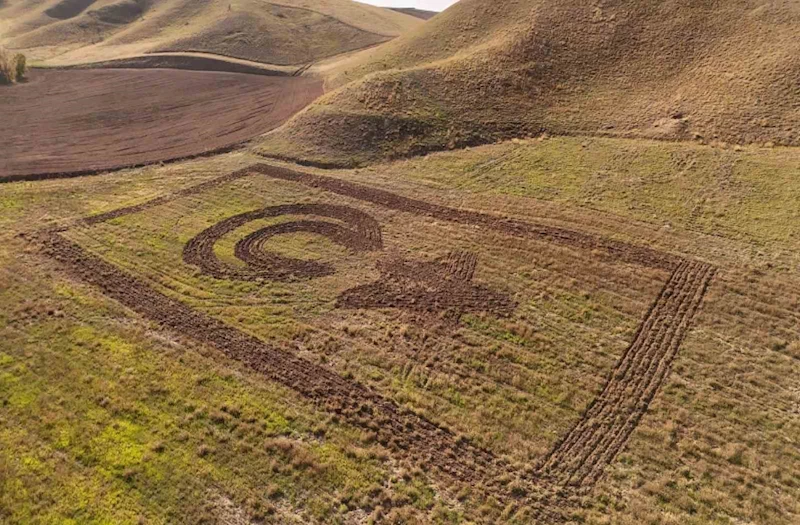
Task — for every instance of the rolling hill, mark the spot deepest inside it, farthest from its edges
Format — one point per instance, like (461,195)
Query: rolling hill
(419,13)
(485,71)
(286,32)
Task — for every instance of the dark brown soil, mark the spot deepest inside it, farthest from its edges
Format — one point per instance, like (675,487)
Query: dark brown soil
(66,122)
(575,463)
(363,234)
(441,287)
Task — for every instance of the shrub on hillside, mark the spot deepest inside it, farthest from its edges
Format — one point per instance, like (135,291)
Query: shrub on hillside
(12,67)
(21,65)
(8,73)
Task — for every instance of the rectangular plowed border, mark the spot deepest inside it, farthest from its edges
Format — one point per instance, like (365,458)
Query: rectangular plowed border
(577,461)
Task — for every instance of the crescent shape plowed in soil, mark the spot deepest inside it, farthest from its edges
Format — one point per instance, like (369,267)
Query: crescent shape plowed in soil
(359,233)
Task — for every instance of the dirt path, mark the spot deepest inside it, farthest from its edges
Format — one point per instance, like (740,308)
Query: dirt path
(577,461)
(74,122)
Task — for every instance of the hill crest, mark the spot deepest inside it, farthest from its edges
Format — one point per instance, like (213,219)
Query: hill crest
(286,32)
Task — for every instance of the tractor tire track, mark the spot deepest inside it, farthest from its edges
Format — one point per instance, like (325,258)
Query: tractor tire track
(461,265)
(579,458)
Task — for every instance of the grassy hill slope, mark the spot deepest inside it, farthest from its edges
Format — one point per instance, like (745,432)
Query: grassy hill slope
(283,32)
(483,71)
(419,13)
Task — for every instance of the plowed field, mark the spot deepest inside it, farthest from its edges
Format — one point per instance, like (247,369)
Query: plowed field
(68,122)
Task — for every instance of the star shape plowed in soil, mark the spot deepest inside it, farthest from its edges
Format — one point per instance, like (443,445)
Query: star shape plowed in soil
(443,286)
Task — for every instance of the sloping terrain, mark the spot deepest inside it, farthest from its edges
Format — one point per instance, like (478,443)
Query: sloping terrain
(482,71)
(282,32)
(419,13)
(546,330)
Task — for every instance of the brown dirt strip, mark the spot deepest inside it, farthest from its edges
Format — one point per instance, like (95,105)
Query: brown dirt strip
(112,119)
(579,458)
(199,251)
(575,463)
(618,250)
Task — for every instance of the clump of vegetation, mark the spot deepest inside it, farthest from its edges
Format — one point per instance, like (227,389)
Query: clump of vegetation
(12,67)
(21,65)
(8,73)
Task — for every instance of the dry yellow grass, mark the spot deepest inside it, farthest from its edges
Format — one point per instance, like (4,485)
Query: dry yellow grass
(284,32)
(483,71)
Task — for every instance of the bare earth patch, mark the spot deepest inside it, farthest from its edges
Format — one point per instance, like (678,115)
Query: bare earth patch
(109,119)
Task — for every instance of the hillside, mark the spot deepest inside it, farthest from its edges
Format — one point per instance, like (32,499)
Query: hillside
(484,71)
(282,33)
(419,13)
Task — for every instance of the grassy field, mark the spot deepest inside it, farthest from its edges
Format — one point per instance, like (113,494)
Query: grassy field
(108,418)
